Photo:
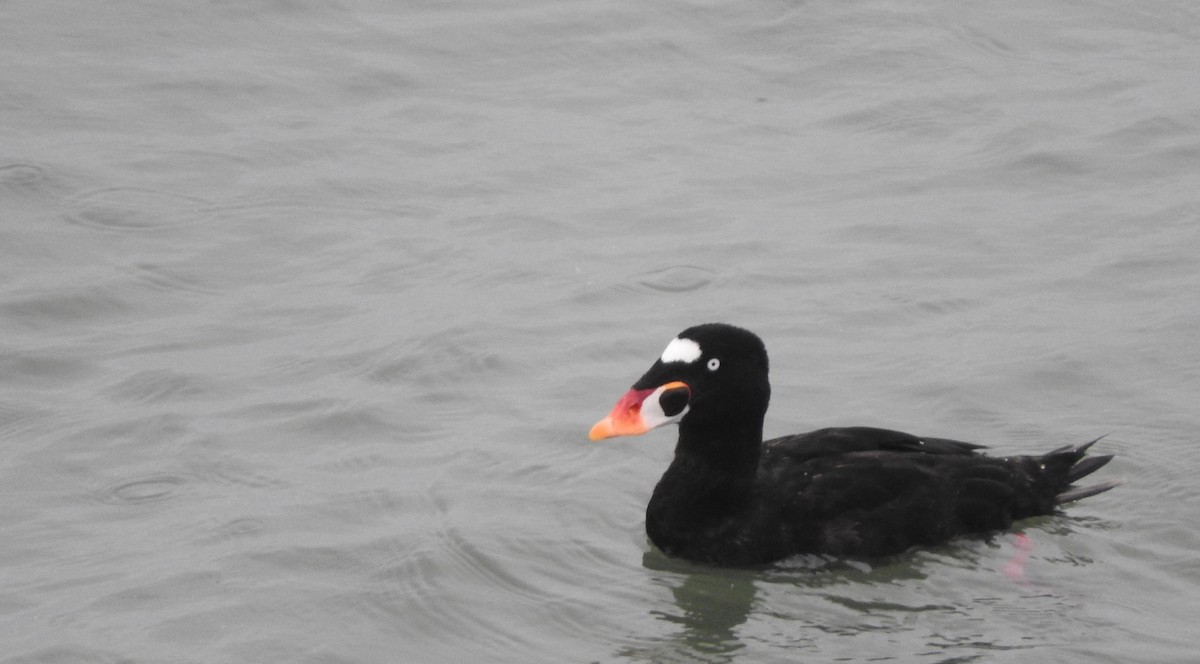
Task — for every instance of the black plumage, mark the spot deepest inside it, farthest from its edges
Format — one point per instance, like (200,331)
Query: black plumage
(729,498)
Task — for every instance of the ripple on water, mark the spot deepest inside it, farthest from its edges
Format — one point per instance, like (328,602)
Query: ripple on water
(159,385)
(16,419)
(64,307)
(134,209)
(27,368)
(148,489)
(237,528)
(21,176)
(677,279)
(60,654)
(173,279)
(425,587)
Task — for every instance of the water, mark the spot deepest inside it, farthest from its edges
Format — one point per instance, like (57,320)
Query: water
(306,309)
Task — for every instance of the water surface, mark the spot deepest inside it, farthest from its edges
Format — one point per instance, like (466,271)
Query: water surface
(306,309)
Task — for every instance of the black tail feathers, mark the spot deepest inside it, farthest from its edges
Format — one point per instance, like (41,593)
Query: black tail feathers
(1077,467)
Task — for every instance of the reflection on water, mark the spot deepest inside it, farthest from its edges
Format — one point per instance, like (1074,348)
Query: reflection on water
(710,605)
(717,614)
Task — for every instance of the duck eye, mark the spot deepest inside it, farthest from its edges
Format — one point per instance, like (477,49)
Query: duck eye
(714,364)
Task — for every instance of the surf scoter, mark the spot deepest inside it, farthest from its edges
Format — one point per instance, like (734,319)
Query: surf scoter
(729,498)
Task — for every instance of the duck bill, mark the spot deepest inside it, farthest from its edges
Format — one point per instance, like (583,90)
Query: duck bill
(639,411)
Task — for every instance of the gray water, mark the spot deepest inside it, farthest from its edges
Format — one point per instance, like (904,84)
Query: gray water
(306,309)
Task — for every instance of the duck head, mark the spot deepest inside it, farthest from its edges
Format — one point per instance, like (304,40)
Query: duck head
(710,377)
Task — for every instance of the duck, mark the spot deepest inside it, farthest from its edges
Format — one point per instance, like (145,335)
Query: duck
(731,499)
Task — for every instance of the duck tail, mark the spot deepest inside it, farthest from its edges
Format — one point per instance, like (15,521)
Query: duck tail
(1077,467)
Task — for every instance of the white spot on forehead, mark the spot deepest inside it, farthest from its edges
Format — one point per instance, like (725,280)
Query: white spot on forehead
(681,350)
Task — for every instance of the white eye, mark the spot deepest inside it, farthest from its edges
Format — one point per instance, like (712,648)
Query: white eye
(714,364)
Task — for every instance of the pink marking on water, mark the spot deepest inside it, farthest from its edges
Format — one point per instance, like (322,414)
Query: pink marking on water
(1015,567)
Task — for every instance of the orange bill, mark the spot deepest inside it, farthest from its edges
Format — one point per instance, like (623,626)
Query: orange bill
(637,412)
